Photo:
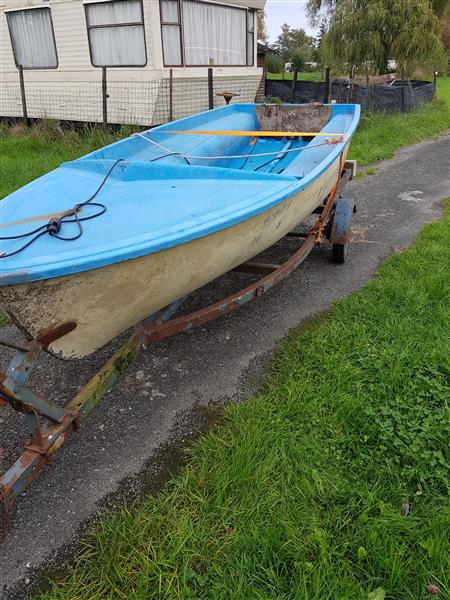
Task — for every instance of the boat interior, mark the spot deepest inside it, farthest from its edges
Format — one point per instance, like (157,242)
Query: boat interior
(258,154)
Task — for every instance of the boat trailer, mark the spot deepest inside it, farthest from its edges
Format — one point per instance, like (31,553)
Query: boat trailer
(49,424)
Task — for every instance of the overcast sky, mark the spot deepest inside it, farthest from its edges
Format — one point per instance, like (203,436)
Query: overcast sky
(292,12)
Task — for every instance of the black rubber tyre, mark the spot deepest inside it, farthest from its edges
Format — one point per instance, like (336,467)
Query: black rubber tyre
(339,253)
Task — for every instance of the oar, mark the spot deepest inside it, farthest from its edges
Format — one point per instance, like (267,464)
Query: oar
(255,133)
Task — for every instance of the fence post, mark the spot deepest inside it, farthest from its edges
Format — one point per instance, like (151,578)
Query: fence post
(434,83)
(24,98)
(403,96)
(294,81)
(327,92)
(350,87)
(171,95)
(104,97)
(210,89)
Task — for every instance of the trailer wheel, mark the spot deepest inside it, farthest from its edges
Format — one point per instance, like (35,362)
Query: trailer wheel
(339,253)
(340,229)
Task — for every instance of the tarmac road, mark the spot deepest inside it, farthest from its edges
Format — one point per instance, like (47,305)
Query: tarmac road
(159,400)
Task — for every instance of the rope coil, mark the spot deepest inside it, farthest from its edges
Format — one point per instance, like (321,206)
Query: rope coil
(53,226)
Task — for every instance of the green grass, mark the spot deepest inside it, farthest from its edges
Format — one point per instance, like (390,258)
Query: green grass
(330,485)
(379,136)
(29,153)
(302,76)
(366,171)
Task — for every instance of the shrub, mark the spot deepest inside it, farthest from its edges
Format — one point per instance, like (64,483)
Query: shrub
(274,63)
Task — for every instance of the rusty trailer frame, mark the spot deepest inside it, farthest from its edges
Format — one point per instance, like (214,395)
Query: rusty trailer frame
(49,425)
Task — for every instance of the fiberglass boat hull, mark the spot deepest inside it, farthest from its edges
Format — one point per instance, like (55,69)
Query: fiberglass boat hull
(106,301)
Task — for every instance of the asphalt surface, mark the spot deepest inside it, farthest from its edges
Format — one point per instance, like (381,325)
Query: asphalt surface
(129,442)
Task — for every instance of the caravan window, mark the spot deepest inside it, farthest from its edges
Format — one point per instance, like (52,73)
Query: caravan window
(198,33)
(32,38)
(171,32)
(116,33)
(214,34)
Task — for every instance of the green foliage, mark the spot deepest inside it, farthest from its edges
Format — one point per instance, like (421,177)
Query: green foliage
(273,100)
(293,41)
(303,75)
(440,7)
(297,61)
(374,31)
(274,63)
(261,29)
(317,45)
(320,9)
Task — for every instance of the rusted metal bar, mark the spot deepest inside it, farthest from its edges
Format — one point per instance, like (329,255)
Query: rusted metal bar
(47,336)
(24,400)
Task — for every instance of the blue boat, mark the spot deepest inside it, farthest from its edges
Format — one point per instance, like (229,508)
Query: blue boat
(106,240)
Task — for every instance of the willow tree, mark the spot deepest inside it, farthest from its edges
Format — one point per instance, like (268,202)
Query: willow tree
(261,31)
(370,32)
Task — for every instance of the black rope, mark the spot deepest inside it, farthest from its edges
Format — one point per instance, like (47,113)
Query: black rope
(170,154)
(53,227)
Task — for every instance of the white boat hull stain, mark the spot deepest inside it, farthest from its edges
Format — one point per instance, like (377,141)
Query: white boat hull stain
(106,301)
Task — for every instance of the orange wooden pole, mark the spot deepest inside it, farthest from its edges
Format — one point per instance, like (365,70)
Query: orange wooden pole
(254,133)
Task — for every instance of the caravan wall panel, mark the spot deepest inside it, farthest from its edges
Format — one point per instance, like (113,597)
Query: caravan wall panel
(73,91)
